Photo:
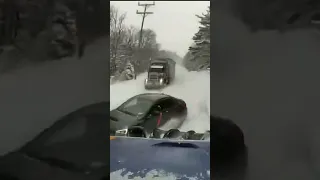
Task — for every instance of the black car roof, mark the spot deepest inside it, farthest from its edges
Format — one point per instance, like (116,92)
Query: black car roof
(153,96)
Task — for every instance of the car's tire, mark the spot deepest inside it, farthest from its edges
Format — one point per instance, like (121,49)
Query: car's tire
(172,133)
(157,133)
(189,134)
(137,131)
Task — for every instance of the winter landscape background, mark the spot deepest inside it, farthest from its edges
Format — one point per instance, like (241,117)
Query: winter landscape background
(36,88)
(124,37)
(54,59)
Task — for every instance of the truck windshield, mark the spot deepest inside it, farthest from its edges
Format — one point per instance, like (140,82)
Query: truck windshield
(156,68)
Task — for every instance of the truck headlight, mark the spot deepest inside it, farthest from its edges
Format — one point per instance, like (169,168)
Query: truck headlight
(161,80)
(122,132)
(146,81)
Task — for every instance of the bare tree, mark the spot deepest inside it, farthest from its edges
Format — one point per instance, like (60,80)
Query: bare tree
(124,44)
(117,33)
(149,39)
(148,50)
(131,38)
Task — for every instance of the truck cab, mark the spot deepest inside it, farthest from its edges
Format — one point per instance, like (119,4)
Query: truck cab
(160,73)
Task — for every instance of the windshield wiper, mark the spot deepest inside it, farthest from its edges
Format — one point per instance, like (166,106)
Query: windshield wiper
(63,164)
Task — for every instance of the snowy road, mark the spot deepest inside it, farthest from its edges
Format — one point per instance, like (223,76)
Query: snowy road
(32,98)
(192,87)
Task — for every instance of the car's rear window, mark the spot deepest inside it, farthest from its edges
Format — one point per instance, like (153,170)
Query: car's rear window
(136,106)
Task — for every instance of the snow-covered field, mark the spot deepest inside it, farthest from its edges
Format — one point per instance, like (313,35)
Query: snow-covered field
(33,97)
(192,87)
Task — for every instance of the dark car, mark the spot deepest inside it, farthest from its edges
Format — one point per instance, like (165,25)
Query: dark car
(150,111)
(74,147)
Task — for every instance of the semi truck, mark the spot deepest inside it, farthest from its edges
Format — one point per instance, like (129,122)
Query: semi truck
(161,73)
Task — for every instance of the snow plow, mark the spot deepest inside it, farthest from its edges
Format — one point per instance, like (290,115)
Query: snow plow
(148,158)
(161,73)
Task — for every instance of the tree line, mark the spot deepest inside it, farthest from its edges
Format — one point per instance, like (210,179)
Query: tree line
(124,44)
(124,41)
(198,56)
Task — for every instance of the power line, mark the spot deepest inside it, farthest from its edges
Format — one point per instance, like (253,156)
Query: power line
(144,13)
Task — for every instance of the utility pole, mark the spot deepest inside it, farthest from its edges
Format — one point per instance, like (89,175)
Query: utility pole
(144,13)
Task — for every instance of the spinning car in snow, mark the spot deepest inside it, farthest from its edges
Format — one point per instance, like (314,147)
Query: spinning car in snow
(150,111)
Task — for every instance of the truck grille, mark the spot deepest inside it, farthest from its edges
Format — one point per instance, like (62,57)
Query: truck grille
(153,77)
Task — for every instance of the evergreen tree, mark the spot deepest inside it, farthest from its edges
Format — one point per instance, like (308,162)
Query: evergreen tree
(200,51)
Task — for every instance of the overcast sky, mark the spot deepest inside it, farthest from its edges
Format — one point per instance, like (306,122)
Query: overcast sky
(174,22)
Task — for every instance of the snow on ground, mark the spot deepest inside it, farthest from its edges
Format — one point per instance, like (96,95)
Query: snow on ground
(192,87)
(32,98)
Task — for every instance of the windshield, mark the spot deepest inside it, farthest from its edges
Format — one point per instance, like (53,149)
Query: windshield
(136,106)
(156,68)
(78,145)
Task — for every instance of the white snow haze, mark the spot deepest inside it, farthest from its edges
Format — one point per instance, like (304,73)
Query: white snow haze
(32,98)
(174,22)
(266,82)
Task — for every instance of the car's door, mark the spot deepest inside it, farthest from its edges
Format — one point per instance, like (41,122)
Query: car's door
(167,110)
(152,117)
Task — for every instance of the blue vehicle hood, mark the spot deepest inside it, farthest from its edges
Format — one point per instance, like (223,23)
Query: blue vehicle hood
(142,158)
